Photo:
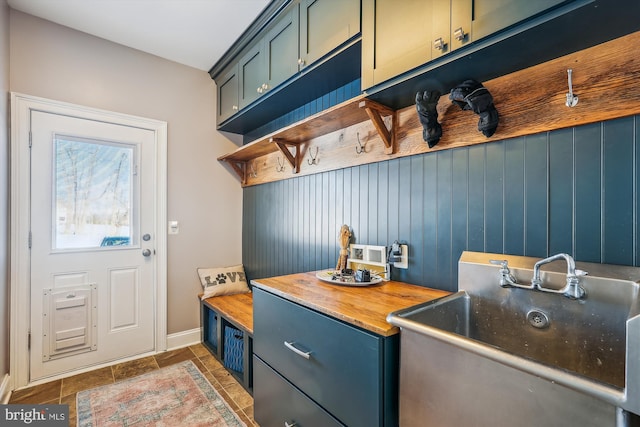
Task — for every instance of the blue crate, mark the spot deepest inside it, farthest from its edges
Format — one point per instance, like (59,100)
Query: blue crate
(212,328)
(233,349)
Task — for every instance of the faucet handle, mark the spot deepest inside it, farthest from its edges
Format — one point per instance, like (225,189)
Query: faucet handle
(503,263)
(506,278)
(573,290)
(580,273)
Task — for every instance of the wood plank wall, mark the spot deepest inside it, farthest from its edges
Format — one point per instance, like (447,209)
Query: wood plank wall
(546,188)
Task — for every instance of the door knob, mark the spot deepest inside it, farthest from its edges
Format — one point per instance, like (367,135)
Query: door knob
(146,252)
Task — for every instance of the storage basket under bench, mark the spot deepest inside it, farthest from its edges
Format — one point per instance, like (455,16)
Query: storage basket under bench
(227,332)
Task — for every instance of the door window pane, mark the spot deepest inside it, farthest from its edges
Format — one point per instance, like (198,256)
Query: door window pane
(93,193)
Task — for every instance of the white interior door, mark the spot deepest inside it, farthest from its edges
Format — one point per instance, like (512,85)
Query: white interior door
(94,235)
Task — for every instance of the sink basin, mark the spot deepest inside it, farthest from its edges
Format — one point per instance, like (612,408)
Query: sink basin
(554,357)
(587,338)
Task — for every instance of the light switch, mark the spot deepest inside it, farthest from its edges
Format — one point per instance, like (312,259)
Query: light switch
(174,228)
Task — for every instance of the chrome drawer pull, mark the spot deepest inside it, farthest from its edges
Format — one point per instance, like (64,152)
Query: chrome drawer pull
(290,346)
(286,424)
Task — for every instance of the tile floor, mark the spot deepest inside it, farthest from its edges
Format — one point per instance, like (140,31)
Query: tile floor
(64,390)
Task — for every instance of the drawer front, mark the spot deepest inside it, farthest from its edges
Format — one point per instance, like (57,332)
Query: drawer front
(277,402)
(335,364)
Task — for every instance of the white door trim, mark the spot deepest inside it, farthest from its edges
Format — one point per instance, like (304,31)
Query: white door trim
(21,107)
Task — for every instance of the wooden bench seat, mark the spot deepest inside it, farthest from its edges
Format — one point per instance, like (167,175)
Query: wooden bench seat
(237,309)
(221,312)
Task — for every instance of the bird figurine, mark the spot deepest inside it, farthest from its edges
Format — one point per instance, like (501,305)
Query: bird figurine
(344,236)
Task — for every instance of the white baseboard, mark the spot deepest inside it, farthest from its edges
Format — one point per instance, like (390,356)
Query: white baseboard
(5,392)
(183,339)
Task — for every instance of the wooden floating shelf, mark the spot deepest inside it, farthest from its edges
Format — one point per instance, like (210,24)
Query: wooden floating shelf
(348,113)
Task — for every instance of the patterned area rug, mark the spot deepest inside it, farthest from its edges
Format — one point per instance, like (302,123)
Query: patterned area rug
(178,395)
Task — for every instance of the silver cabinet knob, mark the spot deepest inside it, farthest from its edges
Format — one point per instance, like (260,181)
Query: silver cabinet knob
(235,107)
(300,61)
(459,34)
(438,43)
(146,252)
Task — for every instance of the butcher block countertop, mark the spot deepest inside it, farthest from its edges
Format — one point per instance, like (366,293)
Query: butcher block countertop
(366,307)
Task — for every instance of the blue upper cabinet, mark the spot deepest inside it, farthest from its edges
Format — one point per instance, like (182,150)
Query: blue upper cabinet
(228,102)
(270,60)
(398,36)
(281,46)
(491,16)
(300,50)
(411,45)
(325,25)
(300,37)
(252,75)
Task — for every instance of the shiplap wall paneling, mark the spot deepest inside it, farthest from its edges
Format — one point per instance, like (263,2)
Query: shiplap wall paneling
(571,190)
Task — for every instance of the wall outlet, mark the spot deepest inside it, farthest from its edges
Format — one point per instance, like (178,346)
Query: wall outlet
(404,258)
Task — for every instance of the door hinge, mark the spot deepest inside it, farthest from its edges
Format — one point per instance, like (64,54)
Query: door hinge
(30,239)
(29,340)
(30,139)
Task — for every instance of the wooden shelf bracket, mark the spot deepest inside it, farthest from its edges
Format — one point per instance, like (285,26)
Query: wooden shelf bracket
(240,168)
(243,168)
(375,111)
(292,158)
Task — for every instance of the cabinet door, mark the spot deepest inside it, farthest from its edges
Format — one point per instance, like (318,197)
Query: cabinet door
(227,94)
(251,70)
(440,27)
(335,364)
(461,14)
(281,47)
(277,403)
(325,25)
(490,16)
(396,37)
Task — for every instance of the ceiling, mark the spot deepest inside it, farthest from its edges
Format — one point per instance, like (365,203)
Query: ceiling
(191,32)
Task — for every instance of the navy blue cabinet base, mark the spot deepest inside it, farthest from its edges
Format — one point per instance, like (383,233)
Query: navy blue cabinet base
(331,373)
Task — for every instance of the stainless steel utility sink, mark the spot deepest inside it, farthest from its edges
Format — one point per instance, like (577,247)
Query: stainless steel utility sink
(512,356)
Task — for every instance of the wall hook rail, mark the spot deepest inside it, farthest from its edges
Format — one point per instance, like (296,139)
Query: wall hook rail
(572,100)
(252,171)
(280,167)
(360,148)
(313,160)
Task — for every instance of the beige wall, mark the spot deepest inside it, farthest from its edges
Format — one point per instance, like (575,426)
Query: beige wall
(52,61)
(4,189)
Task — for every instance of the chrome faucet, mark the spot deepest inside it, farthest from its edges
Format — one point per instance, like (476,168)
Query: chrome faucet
(572,289)
(506,278)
